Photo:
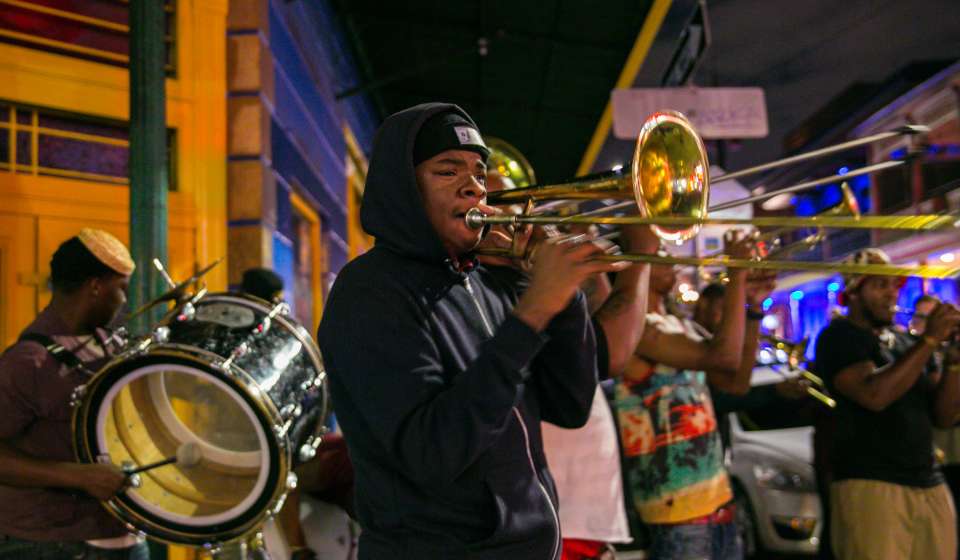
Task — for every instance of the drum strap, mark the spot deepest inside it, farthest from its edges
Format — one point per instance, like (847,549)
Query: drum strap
(56,350)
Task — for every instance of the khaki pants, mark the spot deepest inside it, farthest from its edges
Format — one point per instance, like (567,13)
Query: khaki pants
(874,520)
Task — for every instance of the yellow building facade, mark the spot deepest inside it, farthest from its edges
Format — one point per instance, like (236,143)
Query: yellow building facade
(61,89)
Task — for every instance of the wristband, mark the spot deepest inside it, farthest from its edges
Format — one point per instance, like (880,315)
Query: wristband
(754,315)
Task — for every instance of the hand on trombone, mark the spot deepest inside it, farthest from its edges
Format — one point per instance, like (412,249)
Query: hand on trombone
(943,324)
(516,246)
(943,331)
(740,246)
(558,266)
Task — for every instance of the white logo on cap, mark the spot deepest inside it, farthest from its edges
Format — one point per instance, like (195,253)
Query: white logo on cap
(468,135)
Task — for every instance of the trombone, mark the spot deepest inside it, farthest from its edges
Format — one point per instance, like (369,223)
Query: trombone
(794,356)
(771,242)
(669,182)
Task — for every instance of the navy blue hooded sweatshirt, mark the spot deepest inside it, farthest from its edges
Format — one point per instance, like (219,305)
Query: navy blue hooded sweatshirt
(440,389)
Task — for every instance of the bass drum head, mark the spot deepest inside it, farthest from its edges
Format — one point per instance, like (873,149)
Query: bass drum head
(173,401)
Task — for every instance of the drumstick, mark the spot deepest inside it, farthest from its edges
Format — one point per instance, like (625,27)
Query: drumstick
(188,455)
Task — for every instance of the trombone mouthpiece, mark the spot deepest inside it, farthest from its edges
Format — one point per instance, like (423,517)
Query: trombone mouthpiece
(475,218)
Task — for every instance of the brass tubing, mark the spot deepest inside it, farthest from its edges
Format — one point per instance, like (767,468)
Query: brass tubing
(808,184)
(919,222)
(908,129)
(921,271)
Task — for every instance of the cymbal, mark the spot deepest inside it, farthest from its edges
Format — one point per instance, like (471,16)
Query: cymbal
(176,292)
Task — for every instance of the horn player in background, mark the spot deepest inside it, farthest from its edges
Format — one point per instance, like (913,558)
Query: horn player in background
(888,497)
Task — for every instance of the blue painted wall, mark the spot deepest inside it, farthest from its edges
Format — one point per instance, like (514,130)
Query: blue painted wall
(311,64)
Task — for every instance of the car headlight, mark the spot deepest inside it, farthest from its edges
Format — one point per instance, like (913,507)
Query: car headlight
(782,477)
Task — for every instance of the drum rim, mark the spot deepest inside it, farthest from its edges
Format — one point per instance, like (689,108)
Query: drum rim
(138,373)
(121,507)
(289,322)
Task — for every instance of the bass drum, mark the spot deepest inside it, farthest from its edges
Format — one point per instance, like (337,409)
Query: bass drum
(232,385)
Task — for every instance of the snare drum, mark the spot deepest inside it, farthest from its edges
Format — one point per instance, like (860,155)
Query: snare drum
(231,375)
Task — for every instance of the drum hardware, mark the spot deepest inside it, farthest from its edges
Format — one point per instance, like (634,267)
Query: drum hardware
(160,335)
(141,345)
(256,548)
(236,377)
(291,411)
(163,272)
(279,309)
(176,291)
(240,351)
(309,449)
(121,336)
(133,479)
(77,395)
(260,330)
(315,383)
(188,311)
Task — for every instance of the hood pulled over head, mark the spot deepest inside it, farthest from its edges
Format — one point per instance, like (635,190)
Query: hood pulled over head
(392,209)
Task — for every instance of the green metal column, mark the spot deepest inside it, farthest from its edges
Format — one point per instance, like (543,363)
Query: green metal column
(148,154)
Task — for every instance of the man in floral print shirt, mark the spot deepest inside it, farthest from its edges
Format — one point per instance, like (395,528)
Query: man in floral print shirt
(668,429)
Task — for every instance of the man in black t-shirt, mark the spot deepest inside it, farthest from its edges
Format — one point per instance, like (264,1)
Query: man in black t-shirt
(888,498)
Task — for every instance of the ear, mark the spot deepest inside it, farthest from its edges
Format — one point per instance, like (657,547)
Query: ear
(94,286)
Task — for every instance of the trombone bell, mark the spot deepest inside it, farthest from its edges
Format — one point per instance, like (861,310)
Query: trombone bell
(670,174)
(669,178)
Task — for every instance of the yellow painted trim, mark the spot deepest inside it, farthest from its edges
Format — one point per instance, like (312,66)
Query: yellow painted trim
(356,156)
(57,81)
(96,22)
(316,273)
(82,136)
(64,46)
(34,169)
(651,26)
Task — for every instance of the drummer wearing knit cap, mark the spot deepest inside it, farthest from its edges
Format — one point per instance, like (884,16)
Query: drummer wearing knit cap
(50,504)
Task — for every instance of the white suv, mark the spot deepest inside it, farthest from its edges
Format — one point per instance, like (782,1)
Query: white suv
(775,486)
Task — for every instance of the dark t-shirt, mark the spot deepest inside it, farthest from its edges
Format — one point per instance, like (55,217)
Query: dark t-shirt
(894,445)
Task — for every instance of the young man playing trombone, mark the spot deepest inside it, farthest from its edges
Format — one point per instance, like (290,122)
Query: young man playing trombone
(441,371)
(888,497)
(586,462)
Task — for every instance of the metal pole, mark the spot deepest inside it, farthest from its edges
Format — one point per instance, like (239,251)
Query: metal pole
(148,154)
